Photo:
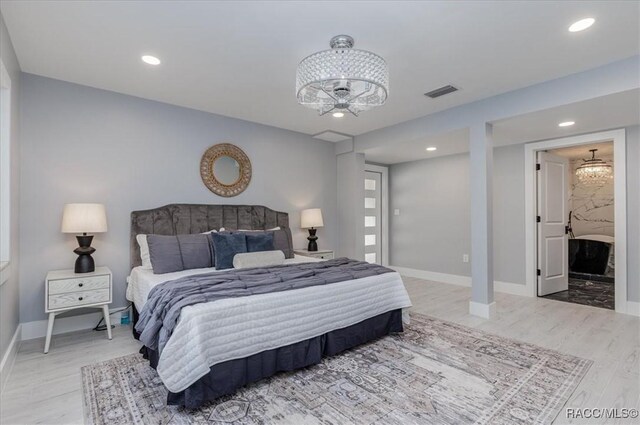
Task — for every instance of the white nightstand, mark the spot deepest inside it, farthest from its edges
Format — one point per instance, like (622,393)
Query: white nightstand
(325,254)
(66,290)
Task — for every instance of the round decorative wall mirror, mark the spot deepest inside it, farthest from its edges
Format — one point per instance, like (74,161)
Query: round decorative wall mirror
(225,169)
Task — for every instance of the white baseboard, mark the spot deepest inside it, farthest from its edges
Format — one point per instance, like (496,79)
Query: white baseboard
(9,357)
(633,308)
(38,328)
(486,311)
(454,279)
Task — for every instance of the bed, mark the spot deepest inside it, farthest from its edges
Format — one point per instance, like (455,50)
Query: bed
(220,346)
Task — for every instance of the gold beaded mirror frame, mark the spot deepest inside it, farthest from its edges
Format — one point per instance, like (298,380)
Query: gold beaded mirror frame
(225,169)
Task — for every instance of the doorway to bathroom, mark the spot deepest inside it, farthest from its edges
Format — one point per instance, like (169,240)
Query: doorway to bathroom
(576,219)
(577,223)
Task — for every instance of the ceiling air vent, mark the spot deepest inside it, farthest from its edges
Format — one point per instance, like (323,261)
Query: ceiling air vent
(441,91)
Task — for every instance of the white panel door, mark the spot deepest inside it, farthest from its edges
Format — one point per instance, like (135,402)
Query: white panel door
(372,217)
(553,213)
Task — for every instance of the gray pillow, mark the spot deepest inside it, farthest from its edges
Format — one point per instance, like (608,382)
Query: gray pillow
(165,254)
(282,241)
(195,250)
(176,253)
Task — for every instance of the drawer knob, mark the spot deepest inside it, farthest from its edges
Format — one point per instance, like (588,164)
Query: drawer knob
(81,284)
(79,298)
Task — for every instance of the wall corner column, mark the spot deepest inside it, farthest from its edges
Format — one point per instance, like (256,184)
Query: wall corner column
(482,302)
(350,192)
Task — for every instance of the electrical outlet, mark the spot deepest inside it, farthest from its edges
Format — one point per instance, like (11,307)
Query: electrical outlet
(465,258)
(396,212)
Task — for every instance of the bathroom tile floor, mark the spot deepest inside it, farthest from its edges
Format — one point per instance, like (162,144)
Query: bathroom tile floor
(587,292)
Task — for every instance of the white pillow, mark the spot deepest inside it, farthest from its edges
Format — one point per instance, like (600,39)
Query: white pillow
(257,230)
(258,259)
(144,251)
(210,231)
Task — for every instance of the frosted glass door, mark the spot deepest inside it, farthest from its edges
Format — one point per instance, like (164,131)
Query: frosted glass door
(372,217)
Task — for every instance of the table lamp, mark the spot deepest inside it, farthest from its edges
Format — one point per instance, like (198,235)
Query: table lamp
(310,219)
(84,218)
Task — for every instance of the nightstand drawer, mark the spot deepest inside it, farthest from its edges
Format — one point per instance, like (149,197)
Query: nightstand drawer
(325,256)
(78,284)
(79,298)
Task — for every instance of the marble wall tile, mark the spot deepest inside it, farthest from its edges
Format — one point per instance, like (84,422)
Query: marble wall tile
(592,206)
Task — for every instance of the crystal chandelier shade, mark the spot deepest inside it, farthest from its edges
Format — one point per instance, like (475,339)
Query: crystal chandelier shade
(342,79)
(594,171)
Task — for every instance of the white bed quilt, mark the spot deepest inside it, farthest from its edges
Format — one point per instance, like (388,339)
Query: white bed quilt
(218,331)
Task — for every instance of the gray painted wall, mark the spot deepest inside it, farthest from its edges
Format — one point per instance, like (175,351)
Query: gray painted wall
(9,292)
(432,231)
(81,144)
(508,214)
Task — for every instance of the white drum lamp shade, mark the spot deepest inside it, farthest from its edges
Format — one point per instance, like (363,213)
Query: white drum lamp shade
(311,218)
(84,218)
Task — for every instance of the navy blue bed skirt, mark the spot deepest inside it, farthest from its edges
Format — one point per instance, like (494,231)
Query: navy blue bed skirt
(225,378)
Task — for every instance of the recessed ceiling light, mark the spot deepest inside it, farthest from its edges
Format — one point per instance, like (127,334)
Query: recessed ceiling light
(338,114)
(151,60)
(431,148)
(566,124)
(581,25)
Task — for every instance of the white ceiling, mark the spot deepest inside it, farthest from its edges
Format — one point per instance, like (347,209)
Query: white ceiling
(601,113)
(446,144)
(606,112)
(238,58)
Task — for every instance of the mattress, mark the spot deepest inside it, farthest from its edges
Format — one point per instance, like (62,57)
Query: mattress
(235,328)
(142,280)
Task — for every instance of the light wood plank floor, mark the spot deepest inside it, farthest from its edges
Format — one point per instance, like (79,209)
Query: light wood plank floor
(46,388)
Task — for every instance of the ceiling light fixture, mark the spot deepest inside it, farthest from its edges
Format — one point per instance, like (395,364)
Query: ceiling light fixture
(338,114)
(566,124)
(431,148)
(594,171)
(342,78)
(151,60)
(581,25)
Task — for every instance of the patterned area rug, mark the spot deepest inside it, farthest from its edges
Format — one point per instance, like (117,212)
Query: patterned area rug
(434,373)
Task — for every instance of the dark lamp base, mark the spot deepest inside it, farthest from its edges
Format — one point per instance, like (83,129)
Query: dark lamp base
(313,245)
(84,262)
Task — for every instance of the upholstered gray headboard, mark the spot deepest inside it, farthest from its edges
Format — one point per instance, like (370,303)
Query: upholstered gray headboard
(180,219)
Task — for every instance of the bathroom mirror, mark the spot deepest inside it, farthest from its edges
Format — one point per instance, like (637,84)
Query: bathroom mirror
(225,169)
